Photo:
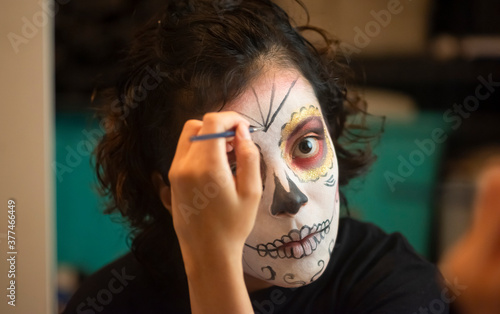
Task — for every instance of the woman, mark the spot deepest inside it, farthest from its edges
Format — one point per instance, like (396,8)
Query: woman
(249,223)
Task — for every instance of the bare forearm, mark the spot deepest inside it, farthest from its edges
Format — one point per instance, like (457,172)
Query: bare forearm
(218,287)
(212,238)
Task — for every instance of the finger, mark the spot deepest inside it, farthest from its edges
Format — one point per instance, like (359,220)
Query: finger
(248,179)
(215,122)
(191,128)
(215,149)
(487,205)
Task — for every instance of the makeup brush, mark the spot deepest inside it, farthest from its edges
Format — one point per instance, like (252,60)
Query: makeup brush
(222,134)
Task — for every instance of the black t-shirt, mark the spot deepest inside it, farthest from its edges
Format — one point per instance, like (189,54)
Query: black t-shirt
(369,272)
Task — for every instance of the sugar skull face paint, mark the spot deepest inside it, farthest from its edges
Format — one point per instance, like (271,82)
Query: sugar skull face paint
(297,219)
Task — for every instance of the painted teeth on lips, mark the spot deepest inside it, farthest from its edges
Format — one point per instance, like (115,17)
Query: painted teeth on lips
(304,232)
(294,235)
(296,244)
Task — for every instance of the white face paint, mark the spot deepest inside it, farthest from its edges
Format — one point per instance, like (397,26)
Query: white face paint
(297,221)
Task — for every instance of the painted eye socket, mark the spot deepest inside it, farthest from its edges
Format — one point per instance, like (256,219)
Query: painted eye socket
(306,148)
(305,144)
(233,168)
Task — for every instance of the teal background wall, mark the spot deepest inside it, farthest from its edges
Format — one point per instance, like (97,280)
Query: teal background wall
(407,207)
(88,239)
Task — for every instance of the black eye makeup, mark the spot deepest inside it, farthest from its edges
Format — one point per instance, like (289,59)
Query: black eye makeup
(231,158)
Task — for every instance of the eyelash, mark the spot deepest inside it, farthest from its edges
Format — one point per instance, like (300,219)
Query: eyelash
(318,149)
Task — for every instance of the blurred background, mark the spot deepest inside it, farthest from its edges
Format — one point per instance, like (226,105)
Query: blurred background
(418,63)
(431,68)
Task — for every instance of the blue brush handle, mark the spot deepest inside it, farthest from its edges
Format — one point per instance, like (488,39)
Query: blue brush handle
(219,135)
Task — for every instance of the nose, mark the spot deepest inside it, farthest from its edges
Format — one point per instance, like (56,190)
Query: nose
(287,202)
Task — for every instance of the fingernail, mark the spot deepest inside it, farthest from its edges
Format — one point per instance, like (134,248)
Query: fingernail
(245,133)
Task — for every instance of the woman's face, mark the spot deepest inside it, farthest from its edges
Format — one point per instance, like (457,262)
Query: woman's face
(297,220)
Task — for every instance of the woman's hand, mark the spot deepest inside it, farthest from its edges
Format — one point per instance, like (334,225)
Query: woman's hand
(474,262)
(214,212)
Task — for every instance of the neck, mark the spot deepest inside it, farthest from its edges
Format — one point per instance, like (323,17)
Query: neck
(254,284)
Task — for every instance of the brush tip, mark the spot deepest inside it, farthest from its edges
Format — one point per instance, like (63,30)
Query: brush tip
(255,129)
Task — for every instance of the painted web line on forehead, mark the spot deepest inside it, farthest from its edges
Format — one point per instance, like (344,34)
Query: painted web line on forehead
(268,121)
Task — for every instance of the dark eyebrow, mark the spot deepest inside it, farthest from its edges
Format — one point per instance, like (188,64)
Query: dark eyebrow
(299,127)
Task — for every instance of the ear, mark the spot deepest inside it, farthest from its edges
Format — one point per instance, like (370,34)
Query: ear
(162,190)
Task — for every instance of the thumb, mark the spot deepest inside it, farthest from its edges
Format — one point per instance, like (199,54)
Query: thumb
(487,206)
(248,180)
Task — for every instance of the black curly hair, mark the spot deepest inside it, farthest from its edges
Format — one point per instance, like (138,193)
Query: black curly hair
(195,57)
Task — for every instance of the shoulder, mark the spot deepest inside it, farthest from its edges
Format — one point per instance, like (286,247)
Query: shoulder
(370,242)
(381,273)
(124,287)
(366,247)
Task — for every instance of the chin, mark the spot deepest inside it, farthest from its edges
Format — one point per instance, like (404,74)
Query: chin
(295,263)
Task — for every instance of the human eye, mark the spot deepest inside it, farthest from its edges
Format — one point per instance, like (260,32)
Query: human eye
(308,151)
